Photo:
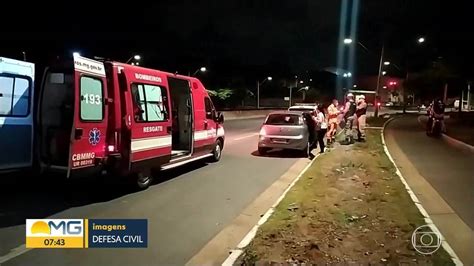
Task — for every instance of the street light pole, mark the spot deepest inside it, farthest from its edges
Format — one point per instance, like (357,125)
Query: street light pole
(258,90)
(258,95)
(136,57)
(291,89)
(376,114)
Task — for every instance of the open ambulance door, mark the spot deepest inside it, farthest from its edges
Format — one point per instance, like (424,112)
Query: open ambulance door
(148,121)
(88,135)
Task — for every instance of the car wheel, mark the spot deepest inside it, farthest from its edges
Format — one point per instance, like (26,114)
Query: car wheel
(262,151)
(217,151)
(142,180)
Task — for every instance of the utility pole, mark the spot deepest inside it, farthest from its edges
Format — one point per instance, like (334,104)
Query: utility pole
(258,94)
(404,95)
(291,89)
(378,83)
(445,95)
(469,96)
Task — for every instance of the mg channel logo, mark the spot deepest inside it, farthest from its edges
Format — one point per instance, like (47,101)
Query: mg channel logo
(55,233)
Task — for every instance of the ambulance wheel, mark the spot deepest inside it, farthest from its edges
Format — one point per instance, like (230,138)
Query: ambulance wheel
(217,151)
(142,180)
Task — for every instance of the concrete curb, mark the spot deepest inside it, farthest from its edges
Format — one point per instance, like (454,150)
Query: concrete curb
(239,250)
(457,143)
(417,202)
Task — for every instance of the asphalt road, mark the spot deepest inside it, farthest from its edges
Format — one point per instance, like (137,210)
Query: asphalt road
(185,208)
(449,171)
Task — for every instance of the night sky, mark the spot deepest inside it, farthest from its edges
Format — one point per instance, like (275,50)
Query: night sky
(241,37)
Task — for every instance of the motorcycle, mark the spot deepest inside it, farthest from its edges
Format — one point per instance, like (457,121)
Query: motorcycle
(434,127)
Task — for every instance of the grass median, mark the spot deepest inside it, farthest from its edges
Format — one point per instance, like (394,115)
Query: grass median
(349,207)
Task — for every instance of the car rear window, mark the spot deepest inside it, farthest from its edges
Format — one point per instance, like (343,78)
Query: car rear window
(283,119)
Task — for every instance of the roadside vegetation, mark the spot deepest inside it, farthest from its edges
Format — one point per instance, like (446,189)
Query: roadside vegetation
(349,207)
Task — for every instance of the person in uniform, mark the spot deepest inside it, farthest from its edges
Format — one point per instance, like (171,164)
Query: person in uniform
(333,112)
(349,113)
(361,113)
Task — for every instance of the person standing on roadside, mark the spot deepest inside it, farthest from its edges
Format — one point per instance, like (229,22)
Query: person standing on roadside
(333,112)
(311,125)
(361,113)
(349,117)
(321,127)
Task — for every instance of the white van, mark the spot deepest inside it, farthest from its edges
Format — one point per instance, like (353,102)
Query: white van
(16,114)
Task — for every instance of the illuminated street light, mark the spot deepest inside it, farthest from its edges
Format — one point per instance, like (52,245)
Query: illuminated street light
(384,73)
(386,63)
(421,40)
(384,87)
(355,86)
(75,54)
(136,57)
(202,69)
(347,41)
(258,89)
(301,82)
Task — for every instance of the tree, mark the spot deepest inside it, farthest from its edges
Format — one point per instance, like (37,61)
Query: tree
(429,83)
(221,94)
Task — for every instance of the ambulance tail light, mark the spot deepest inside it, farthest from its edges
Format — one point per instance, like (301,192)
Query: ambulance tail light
(111,148)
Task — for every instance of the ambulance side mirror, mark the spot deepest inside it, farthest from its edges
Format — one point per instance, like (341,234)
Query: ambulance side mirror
(219,118)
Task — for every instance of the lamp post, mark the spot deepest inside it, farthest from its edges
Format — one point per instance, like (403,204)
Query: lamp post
(258,89)
(376,113)
(135,57)
(201,69)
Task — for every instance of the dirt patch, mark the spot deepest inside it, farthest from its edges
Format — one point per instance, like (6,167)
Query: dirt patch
(349,207)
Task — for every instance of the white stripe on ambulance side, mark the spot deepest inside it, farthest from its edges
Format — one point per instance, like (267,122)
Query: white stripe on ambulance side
(151,143)
(165,141)
(220,132)
(208,134)
(201,135)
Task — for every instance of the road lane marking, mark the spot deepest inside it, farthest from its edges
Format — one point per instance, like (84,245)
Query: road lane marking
(416,201)
(226,244)
(14,253)
(246,136)
(232,258)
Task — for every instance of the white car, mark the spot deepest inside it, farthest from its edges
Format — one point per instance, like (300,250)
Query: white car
(303,108)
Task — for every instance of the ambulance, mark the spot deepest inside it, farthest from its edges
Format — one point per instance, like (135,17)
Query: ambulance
(16,114)
(124,120)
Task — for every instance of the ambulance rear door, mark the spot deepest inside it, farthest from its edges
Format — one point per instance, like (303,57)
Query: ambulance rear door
(88,136)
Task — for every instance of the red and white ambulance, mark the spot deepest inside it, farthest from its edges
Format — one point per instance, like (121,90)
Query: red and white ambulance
(123,119)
